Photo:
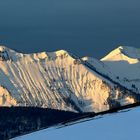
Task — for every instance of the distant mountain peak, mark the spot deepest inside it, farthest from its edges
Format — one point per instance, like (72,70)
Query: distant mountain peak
(130,51)
(122,53)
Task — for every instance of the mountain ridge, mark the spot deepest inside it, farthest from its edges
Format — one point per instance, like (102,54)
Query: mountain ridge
(61,80)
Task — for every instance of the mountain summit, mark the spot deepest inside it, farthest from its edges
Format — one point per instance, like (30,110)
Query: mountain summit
(64,81)
(123,52)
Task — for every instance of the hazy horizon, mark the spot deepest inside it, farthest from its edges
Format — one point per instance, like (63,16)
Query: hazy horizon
(87,28)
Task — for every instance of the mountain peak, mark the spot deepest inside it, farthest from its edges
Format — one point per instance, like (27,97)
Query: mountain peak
(121,52)
(7,53)
(4,53)
(58,53)
(61,52)
(130,52)
(2,48)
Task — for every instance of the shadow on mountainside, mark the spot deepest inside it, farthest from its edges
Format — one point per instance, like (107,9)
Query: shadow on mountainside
(17,121)
(124,70)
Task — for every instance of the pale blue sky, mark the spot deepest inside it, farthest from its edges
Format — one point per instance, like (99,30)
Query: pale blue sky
(86,27)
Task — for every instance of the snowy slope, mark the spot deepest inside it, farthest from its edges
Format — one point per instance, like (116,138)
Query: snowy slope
(120,126)
(122,65)
(124,62)
(60,80)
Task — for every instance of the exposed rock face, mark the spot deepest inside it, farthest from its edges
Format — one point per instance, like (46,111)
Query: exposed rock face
(5,98)
(4,56)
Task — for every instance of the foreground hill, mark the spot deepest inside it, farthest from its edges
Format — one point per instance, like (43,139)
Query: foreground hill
(16,121)
(119,126)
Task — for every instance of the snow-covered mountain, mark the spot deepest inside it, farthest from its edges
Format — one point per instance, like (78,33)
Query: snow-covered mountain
(61,80)
(122,65)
